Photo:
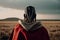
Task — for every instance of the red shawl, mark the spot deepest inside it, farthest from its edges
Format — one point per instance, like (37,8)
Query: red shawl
(18,29)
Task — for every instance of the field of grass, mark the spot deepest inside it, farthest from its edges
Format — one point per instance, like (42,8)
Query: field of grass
(53,28)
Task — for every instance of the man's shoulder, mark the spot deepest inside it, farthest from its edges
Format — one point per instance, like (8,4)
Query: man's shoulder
(17,26)
(43,29)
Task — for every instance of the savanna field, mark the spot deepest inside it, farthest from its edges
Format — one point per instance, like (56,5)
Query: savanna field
(53,28)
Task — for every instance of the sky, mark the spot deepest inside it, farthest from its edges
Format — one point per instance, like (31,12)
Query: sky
(50,9)
(9,12)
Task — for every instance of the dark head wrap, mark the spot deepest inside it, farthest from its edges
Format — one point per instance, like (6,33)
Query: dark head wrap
(30,13)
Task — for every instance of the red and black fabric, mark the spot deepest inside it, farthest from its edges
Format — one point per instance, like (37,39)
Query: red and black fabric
(18,33)
(39,34)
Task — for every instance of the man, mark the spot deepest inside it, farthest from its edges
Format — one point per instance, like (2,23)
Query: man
(29,28)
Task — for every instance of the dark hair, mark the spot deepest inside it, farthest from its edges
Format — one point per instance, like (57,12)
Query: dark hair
(30,12)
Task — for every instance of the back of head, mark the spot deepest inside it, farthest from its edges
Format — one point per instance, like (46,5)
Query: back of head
(30,10)
(30,13)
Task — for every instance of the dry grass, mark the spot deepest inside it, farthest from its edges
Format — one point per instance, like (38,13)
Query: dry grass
(53,28)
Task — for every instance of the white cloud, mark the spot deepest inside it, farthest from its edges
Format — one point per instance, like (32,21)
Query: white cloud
(48,16)
(8,12)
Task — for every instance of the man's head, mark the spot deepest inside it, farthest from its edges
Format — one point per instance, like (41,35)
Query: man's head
(30,15)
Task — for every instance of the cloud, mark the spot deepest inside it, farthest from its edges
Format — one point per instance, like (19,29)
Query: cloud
(48,6)
(17,4)
(9,12)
